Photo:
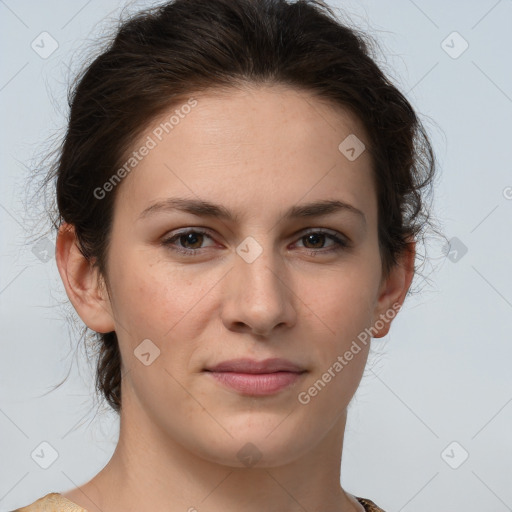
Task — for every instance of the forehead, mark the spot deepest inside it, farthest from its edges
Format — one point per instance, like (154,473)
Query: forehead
(255,148)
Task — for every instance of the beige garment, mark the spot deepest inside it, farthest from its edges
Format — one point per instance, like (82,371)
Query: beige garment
(52,502)
(55,502)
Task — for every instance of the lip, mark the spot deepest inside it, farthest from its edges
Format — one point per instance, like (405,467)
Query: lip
(246,365)
(256,378)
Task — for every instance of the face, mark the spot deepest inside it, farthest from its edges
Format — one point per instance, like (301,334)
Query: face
(269,278)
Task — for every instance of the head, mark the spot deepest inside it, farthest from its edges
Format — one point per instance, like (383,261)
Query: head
(296,172)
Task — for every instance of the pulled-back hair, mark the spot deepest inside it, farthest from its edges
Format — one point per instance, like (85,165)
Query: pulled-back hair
(164,55)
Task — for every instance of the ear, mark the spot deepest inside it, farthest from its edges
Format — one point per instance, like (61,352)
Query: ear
(393,290)
(84,285)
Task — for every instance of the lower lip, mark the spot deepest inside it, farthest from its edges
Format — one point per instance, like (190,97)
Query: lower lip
(257,384)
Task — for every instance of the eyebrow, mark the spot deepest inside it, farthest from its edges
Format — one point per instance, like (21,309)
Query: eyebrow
(205,208)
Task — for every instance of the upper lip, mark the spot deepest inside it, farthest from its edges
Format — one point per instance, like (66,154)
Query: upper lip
(246,365)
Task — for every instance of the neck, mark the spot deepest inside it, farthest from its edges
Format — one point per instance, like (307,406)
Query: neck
(151,471)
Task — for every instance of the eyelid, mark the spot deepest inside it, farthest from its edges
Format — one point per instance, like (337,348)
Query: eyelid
(325,231)
(175,234)
(340,240)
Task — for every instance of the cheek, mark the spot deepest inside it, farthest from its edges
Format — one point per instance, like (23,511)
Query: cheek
(168,305)
(341,299)
(339,348)
(338,309)
(151,296)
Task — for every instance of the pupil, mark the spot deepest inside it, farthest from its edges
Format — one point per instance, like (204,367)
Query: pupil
(191,238)
(313,237)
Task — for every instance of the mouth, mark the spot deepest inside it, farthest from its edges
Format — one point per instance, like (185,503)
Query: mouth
(256,378)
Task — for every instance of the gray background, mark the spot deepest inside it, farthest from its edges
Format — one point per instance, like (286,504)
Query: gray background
(442,375)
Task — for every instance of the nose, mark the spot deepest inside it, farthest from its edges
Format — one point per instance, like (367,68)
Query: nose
(258,295)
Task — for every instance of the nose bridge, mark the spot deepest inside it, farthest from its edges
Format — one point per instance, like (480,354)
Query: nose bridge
(256,266)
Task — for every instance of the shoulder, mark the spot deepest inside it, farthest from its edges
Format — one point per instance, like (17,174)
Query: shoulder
(369,505)
(55,502)
(52,502)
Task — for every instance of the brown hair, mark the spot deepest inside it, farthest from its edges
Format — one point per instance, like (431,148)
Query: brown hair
(164,54)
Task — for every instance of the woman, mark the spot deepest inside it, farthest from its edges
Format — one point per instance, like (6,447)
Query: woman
(239,192)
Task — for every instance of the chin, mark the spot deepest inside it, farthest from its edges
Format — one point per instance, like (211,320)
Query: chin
(255,446)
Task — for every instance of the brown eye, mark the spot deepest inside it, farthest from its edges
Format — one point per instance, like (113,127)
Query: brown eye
(187,242)
(191,238)
(314,241)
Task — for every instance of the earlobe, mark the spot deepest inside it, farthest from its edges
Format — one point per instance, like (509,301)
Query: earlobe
(84,285)
(393,291)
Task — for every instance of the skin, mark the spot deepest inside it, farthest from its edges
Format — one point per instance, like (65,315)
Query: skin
(257,151)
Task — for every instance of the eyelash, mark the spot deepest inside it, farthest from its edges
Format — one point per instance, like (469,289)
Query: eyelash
(340,243)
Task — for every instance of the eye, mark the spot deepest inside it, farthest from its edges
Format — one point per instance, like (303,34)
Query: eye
(190,241)
(317,238)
